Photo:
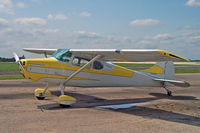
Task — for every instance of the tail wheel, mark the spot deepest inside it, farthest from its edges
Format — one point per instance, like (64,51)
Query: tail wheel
(64,106)
(40,98)
(169,93)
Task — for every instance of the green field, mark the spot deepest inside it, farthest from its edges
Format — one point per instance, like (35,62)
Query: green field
(4,66)
(182,70)
(6,77)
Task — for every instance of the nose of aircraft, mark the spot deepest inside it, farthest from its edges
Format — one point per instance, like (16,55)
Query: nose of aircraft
(21,63)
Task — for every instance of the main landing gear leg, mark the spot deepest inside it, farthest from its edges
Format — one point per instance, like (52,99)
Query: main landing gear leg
(40,93)
(169,93)
(65,100)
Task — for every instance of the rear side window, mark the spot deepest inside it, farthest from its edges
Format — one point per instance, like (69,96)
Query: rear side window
(97,65)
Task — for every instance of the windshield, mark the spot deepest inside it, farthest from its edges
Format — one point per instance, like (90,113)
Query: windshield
(63,55)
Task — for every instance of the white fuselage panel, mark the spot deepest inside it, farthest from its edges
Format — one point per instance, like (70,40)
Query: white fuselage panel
(94,79)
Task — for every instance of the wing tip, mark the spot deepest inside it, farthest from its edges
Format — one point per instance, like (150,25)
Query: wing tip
(40,50)
(166,53)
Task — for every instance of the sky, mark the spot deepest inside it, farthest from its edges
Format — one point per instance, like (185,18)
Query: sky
(172,25)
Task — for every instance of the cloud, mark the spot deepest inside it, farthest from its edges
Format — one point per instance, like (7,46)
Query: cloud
(21,5)
(164,36)
(144,22)
(192,3)
(184,42)
(50,16)
(84,34)
(6,6)
(61,17)
(57,17)
(3,22)
(30,21)
(85,14)
(50,30)
(196,37)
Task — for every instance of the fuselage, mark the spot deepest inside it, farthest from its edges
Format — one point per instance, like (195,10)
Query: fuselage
(54,72)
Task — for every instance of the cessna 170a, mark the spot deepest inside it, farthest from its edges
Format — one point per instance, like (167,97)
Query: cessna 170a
(92,68)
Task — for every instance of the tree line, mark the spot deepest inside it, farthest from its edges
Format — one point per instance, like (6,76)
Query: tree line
(2,59)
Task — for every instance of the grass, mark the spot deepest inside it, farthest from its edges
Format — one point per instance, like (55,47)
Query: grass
(133,65)
(7,66)
(188,70)
(9,77)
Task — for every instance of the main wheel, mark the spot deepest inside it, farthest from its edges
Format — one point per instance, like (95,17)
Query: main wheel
(39,93)
(65,101)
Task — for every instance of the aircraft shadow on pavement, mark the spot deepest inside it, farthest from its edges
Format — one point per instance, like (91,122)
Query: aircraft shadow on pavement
(86,101)
(162,115)
(164,96)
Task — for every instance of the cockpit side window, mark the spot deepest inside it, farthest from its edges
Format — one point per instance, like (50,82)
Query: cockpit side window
(97,65)
(78,61)
(66,57)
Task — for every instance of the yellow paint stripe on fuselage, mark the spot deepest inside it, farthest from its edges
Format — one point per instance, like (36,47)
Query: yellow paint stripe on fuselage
(37,76)
(154,69)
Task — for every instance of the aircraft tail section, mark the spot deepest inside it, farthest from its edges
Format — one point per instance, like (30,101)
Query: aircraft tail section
(163,72)
(168,69)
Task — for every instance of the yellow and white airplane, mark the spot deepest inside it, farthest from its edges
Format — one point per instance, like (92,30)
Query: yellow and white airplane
(92,68)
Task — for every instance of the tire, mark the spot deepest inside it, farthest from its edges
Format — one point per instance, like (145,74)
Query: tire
(169,93)
(40,98)
(64,106)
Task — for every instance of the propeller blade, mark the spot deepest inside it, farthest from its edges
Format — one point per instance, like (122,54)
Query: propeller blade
(16,57)
(21,66)
(17,60)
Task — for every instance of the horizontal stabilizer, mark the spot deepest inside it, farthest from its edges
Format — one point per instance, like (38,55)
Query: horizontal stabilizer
(174,82)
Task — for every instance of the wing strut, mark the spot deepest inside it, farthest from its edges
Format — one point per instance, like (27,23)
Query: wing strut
(45,54)
(78,71)
(65,100)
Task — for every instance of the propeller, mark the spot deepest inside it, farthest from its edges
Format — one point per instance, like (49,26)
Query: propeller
(17,60)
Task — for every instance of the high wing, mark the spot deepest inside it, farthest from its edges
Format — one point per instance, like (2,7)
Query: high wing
(40,51)
(132,55)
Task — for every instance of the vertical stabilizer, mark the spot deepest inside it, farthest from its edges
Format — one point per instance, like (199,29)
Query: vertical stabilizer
(168,67)
(162,70)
